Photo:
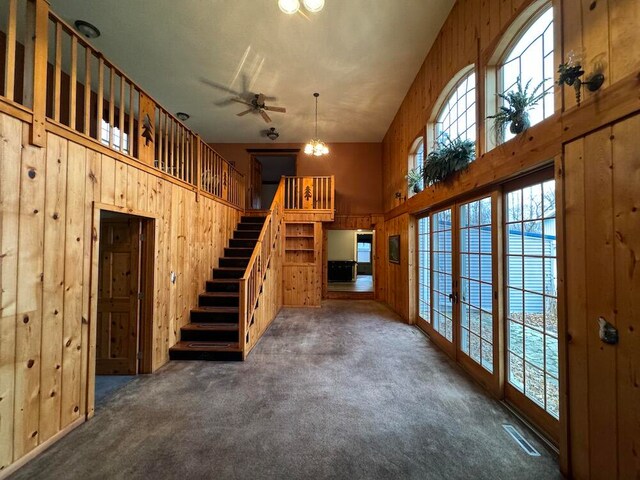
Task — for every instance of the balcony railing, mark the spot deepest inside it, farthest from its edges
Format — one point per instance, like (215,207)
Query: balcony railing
(310,193)
(54,79)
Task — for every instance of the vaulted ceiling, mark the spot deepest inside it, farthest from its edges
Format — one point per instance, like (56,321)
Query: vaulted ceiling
(361,55)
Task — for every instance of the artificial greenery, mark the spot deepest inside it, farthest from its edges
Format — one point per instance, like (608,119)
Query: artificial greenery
(414,179)
(448,157)
(514,111)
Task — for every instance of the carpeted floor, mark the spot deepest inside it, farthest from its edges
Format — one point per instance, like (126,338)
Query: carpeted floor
(344,392)
(107,385)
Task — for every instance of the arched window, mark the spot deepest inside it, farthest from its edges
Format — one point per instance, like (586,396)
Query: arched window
(457,116)
(531,60)
(416,159)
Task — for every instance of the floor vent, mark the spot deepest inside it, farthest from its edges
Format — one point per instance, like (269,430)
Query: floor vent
(517,436)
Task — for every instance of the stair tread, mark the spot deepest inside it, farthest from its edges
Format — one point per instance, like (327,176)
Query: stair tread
(216,309)
(187,346)
(200,327)
(224,280)
(231,268)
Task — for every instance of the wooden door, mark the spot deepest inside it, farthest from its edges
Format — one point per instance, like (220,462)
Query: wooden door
(256,183)
(118,297)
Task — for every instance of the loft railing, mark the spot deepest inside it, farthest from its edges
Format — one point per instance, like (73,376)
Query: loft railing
(254,275)
(54,79)
(310,193)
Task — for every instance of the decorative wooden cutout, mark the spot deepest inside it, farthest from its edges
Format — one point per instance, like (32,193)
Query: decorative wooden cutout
(146,130)
(307,193)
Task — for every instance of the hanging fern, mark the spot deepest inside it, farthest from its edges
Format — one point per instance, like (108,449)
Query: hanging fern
(450,156)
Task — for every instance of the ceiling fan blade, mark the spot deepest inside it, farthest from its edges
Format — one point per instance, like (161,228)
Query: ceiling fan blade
(219,86)
(269,99)
(245,112)
(266,117)
(239,100)
(276,109)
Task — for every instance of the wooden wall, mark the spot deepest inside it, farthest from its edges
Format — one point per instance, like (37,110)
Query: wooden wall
(48,273)
(606,29)
(602,227)
(600,169)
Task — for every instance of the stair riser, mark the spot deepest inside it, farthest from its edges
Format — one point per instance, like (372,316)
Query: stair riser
(208,336)
(208,356)
(259,220)
(253,227)
(205,301)
(242,243)
(227,273)
(223,287)
(214,317)
(242,253)
(234,262)
(241,234)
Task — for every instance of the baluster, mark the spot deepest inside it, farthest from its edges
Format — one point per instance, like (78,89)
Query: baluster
(57,75)
(100,104)
(121,113)
(88,56)
(10,61)
(73,81)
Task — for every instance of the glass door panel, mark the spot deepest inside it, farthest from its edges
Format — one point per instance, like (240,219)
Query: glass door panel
(476,282)
(424,269)
(531,294)
(442,270)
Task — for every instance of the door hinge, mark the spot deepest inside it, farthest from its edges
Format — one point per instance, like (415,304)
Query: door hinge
(142,237)
(139,355)
(140,295)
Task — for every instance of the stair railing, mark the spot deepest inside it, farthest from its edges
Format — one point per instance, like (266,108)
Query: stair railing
(254,275)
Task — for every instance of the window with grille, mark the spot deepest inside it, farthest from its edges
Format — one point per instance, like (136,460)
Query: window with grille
(531,60)
(457,118)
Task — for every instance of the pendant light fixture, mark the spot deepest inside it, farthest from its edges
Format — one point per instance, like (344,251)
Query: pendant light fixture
(316,146)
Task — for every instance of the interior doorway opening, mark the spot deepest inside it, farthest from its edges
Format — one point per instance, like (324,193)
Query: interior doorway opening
(350,266)
(125,301)
(266,171)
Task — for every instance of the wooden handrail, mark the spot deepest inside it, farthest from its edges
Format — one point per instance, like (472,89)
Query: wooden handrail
(254,275)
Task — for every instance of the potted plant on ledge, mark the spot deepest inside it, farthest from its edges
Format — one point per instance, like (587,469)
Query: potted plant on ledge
(448,157)
(514,113)
(414,179)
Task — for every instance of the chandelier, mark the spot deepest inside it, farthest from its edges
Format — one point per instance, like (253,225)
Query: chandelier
(316,146)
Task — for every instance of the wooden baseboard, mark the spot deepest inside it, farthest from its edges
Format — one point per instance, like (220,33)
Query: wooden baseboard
(22,461)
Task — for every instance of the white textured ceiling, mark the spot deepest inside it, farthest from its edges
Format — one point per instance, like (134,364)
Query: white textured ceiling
(361,55)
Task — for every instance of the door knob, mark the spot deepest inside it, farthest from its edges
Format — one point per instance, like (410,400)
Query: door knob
(608,333)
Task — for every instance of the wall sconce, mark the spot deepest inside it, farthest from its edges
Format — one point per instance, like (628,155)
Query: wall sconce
(570,73)
(399,196)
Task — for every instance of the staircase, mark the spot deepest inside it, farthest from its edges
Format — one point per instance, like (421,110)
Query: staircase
(214,331)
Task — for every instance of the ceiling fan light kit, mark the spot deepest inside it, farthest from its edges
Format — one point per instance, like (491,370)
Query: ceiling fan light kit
(289,6)
(273,134)
(292,6)
(316,146)
(257,105)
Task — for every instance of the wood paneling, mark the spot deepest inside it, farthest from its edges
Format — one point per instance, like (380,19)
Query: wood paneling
(602,172)
(47,270)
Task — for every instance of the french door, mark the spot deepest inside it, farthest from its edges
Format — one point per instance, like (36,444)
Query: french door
(487,292)
(455,283)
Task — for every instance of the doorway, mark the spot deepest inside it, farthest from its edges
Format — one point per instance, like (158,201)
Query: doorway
(125,283)
(350,263)
(266,171)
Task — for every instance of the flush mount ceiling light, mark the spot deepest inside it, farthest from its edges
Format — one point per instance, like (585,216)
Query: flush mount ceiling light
(183,116)
(86,29)
(314,6)
(289,6)
(273,134)
(316,146)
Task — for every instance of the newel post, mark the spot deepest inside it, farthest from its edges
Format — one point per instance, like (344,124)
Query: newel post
(38,10)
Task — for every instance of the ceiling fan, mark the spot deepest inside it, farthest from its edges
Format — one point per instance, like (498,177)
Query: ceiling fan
(257,105)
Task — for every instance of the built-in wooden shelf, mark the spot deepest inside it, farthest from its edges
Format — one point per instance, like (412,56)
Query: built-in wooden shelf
(300,243)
